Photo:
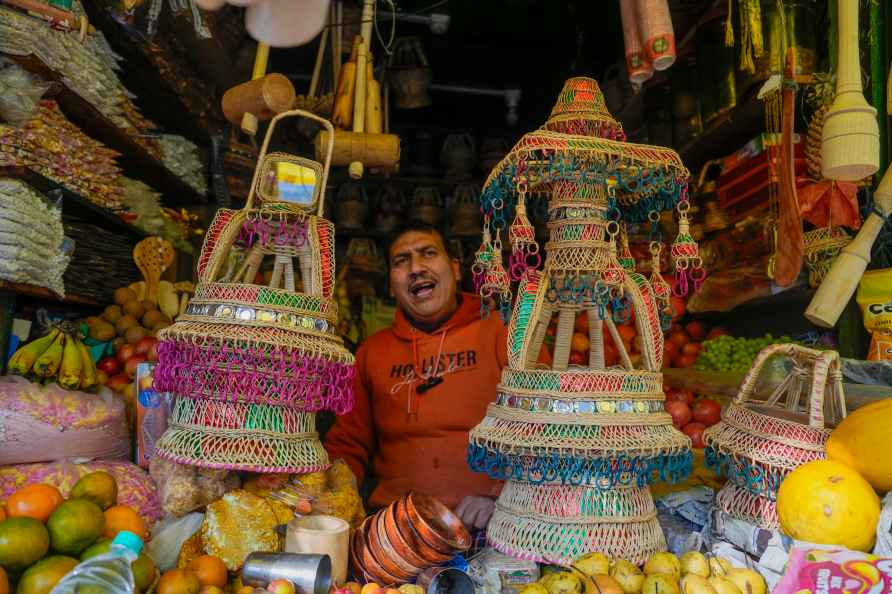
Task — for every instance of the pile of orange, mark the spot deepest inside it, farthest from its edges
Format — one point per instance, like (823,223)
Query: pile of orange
(205,574)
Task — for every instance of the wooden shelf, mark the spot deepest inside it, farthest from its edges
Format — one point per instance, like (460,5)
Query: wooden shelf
(134,161)
(46,294)
(727,384)
(75,204)
(727,133)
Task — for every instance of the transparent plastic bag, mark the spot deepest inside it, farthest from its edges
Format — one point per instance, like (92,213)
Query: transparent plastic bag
(20,92)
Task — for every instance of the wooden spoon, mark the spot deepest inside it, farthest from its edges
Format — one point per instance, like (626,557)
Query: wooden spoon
(153,255)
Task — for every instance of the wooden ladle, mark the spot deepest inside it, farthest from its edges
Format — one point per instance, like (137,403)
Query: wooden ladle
(153,255)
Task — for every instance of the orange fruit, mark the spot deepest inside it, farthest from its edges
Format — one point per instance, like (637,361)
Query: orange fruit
(34,501)
(579,343)
(41,577)
(99,487)
(122,517)
(74,526)
(211,571)
(178,581)
(4,582)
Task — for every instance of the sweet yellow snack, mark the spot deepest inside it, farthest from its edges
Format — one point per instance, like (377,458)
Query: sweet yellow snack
(238,524)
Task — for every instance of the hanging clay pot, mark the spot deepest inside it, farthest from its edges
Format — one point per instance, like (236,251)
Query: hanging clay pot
(420,159)
(409,74)
(362,256)
(493,150)
(352,206)
(427,205)
(464,214)
(458,155)
(389,208)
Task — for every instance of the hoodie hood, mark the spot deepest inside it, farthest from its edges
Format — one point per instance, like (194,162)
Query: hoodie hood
(468,312)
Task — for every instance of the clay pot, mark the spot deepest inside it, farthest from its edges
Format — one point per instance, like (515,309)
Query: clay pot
(352,206)
(458,155)
(409,74)
(427,205)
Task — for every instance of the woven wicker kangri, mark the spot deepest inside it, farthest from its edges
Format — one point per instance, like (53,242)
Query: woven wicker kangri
(579,444)
(256,353)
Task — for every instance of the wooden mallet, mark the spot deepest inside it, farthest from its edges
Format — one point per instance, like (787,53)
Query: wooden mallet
(259,99)
(845,273)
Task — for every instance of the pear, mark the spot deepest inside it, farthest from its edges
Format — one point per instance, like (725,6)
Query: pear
(660,583)
(416,589)
(563,582)
(665,563)
(627,574)
(695,563)
(747,580)
(718,566)
(604,584)
(593,564)
(695,584)
(723,585)
(536,588)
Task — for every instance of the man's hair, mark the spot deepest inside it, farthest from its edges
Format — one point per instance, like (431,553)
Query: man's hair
(418,227)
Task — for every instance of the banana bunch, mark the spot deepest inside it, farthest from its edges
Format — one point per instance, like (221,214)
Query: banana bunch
(58,354)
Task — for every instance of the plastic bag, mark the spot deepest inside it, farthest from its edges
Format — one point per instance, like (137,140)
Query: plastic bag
(20,92)
(883,546)
(826,570)
(747,545)
(183,489)
(495,573)
(168,538)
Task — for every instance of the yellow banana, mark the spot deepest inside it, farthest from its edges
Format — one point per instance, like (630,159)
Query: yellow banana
(70,371)
(88,368)
(23,359)
(48,363)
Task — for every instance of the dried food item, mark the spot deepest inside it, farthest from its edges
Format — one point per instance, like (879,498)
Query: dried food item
(20,92)
(238,524)
(180,155)
(183,489)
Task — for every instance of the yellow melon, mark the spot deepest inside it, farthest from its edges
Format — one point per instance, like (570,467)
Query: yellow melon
(862,442)
(827,502)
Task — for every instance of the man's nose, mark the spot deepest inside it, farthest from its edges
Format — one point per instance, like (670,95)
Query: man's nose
(417,264)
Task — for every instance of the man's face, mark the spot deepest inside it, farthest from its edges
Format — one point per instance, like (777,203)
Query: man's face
(423,278)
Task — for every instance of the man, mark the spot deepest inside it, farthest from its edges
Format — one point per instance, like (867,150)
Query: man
(423,383)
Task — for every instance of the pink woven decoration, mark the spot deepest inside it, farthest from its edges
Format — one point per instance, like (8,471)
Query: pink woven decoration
(656,33)
(637,63)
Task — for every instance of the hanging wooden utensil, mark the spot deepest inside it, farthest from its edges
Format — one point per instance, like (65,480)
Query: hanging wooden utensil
(259,99)
(790,245)
(840,283)
(153,256)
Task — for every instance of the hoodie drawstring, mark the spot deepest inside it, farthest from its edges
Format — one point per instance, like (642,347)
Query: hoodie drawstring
(413,396)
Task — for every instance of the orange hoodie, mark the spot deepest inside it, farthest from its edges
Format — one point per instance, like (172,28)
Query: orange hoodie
(417,440)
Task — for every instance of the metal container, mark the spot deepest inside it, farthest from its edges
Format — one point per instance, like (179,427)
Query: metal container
(445,580)
(310,574)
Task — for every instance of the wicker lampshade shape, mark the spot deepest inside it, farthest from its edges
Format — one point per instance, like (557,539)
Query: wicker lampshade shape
(257,353)
(578,443)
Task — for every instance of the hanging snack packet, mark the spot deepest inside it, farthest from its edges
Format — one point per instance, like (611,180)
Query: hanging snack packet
(835,571)
(875,300)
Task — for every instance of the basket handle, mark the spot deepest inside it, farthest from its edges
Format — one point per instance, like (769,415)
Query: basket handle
(826,366)
(266,139)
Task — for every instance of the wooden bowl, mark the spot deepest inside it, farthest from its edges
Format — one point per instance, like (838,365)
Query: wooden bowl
(436,524)
(412,538)
(385,556)
(371,565)
(380,534)
(397,542)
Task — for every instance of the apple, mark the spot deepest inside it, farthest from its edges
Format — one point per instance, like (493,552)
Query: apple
(116,382)
(695,432)
(125,352)
(716,332)
(280,587)
(132,362)
(109,365)
(696,330)
(680,412)
(577,358)
(353,587)
(707,411)
(210,590)
(144,344)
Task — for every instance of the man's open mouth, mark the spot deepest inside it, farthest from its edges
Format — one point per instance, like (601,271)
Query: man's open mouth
(422,288)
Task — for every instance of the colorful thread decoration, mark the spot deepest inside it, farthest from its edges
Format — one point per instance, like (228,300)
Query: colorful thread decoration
(689,271)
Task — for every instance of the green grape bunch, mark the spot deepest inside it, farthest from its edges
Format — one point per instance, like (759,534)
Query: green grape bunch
(726,353)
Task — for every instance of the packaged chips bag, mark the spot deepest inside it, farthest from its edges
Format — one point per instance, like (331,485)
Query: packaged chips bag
(835,571)
(875,300)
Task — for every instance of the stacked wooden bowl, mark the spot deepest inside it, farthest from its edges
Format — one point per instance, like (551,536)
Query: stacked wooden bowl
(400,541)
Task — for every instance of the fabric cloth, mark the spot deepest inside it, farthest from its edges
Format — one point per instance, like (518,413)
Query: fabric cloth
(417,439)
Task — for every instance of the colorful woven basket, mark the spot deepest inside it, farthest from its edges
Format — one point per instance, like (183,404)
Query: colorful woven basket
(578,443)
(759,442)
(256,352)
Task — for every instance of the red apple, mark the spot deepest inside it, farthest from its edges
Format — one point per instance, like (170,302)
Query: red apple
(695,432)
(116,382)
(670,350)
(281,587)
(109,365)
(577,358)
(125,352)
(716,332)
(143,346)
(674,394)
(707,411)
(152,353)
(685,361)
(696,330)
(692,348)
(132,362)
(581,323)
(680,412)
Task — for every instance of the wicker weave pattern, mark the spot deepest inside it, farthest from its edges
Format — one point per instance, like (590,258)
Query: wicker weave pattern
(241,294)
(577,505)
(743,505)
(218,225)
(595,382)
(542,541)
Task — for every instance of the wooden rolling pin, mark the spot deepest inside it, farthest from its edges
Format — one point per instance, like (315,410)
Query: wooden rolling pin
(845,273)
(261,98)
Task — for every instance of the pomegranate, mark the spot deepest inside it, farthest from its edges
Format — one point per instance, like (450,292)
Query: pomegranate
(695,432)
(125,352)
(707,411)
(670,350)
(685,396)
(716,332)
(116,382)
(692,348)
(696,330)
(680,412)
(109,365)
(685,361)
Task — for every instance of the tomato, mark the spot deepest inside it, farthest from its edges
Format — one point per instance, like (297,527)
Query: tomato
(707,411)
(692,348)
(680,338)
(685,396)
(695,432)
(125,352)
(627,333)
(716,332)
(581,324)
(580,342)
(577,358)
(696,330)
(680,412)
(678,307)
(670,350)
(685,361)
(144,344)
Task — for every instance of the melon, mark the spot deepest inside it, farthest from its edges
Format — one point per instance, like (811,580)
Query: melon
(827,502)
(861,441)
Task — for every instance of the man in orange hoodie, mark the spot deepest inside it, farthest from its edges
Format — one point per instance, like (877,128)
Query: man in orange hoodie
(423,383)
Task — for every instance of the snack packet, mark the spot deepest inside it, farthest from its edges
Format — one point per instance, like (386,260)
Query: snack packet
(835,571)
(875,300)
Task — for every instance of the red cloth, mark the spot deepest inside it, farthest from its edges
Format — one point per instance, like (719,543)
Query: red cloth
(830,203)
(426,450)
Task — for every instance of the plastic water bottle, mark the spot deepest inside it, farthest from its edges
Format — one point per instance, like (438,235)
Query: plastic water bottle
(107,574)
